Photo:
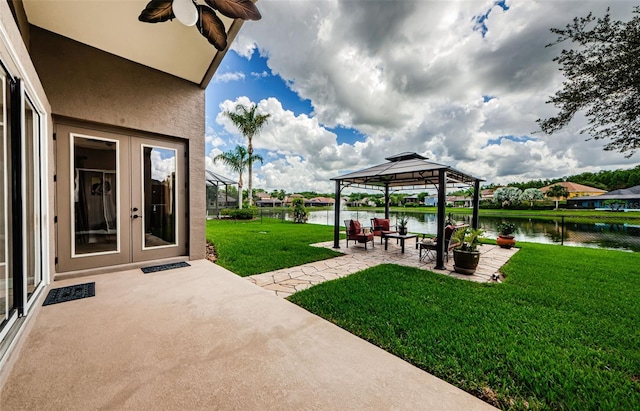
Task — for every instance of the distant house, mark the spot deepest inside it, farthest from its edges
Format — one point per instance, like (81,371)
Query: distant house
(460,201)
(289,199)
(575,189)
(631,197)
(319,202)
(412,199)
(431,201)
(265,200)
(268,202)
(363,202)
(487,194)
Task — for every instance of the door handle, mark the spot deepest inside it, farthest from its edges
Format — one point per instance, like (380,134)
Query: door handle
(135,216)
(134,209)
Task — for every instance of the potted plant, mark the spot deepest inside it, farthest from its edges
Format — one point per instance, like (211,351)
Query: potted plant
(402,225)
(505,238)
(466,255)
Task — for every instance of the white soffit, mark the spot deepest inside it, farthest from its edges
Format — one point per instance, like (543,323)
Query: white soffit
(113,26)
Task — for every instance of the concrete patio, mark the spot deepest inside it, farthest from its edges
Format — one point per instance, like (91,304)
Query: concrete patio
(201,337)
(287,281)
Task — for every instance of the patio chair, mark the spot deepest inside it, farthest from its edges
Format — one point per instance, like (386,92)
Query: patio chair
(357,233)
(430,248)
(382,227)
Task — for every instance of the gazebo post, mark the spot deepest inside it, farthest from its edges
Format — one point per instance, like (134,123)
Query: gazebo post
(442,202)
(386,201)
(336,222)
(475,220)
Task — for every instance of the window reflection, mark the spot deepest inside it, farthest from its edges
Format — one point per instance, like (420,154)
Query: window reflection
(159,171)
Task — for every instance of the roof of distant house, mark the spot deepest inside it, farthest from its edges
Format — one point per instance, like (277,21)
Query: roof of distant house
(630,193)
(574,187)
(322,200)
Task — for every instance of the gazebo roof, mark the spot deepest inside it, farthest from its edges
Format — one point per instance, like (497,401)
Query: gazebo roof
(405,170)
(215,179)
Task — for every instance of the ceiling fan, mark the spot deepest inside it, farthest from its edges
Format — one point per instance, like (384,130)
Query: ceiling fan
(203,16)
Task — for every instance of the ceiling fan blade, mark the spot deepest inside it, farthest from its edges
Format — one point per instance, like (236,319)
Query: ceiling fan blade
(211,27)
(236,9)
(157,11)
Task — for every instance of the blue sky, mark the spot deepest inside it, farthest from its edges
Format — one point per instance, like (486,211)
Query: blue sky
(251,77)
(348,83)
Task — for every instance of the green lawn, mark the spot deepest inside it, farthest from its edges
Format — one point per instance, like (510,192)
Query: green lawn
(562,332)
(260,246)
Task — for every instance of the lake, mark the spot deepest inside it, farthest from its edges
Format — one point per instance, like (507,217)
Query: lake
(591,232)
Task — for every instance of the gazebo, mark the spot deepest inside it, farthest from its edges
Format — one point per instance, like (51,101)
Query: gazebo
(408,171)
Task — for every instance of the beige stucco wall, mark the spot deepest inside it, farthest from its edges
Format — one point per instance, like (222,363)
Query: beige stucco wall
(24,68)
(88,84)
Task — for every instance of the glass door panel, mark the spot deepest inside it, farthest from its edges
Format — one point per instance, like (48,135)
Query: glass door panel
(31,195)
(6,286)
(91,196)
(159,183)
(95,191)
(158,204)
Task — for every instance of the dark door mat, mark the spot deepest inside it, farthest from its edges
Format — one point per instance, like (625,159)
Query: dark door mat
(72,292)
(162,267)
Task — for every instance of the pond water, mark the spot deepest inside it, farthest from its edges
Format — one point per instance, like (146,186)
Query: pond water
(588,233)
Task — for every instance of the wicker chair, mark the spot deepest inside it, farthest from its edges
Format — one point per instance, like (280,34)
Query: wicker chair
(430,248)
(357,233)
(382,227)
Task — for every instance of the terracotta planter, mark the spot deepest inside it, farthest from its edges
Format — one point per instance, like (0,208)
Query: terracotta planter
(465,262)
(505,241)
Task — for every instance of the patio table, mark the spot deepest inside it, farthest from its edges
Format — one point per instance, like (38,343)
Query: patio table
(400,237)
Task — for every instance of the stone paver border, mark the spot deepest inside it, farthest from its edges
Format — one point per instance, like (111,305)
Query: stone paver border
(287,281)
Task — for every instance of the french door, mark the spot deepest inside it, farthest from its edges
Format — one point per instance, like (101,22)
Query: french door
(121,198)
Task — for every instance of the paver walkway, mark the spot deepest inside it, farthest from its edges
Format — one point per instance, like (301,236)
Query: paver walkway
(287,281)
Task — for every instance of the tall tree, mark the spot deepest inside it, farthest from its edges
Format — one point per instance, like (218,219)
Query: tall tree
(506,196)
(249,123)
(602,76)
(531,195)
(557,191)
(237,160)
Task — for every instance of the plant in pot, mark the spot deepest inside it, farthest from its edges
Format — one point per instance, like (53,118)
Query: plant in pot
(466,255)
(505,238)
(402,225)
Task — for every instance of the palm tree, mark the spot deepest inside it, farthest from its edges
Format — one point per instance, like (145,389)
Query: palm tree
(249,123)
(556,192)
(237,160)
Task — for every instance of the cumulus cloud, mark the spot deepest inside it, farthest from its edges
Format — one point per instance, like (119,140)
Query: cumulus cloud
(229,76)
(415,76)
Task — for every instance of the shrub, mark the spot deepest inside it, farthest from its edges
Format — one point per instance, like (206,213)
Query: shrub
(241,214)
(299,212)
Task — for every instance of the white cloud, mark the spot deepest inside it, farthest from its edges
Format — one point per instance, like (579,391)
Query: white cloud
(411,76)
(260,75)
(163,163)
(229,76)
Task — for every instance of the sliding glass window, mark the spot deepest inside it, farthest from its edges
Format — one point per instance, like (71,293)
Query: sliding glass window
(31,195)
(7,300)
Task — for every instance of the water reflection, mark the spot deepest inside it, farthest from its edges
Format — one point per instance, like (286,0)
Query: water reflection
(537,230)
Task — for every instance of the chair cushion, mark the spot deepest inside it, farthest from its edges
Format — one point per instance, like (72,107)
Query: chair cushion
(381,223)
(354,227)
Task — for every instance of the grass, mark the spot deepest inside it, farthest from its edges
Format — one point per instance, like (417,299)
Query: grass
(260,246)
(562,332)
